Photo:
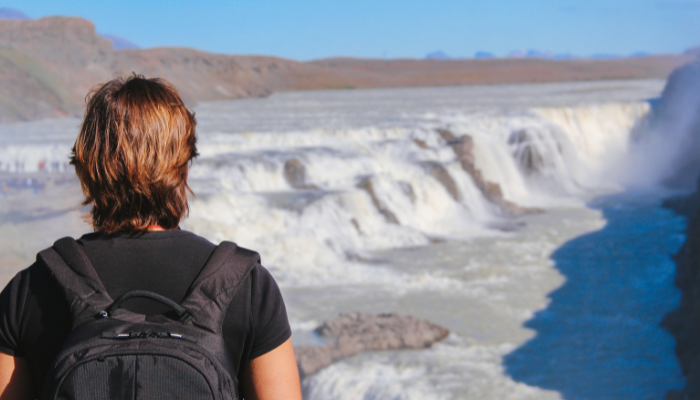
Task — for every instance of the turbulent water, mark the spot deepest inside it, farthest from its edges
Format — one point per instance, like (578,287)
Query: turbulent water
(357,202)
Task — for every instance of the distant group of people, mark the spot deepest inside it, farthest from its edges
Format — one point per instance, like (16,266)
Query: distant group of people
(54,166)
(43,166)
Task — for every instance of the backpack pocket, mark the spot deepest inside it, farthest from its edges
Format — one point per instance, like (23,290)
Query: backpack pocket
(138,377)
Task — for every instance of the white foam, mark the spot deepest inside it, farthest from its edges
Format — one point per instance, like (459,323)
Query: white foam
(437,373)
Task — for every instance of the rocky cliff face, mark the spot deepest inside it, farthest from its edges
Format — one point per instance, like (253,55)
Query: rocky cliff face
(684,322)
(677,118)
(679,112)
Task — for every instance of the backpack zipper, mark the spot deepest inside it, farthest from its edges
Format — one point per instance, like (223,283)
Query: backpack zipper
(146,335)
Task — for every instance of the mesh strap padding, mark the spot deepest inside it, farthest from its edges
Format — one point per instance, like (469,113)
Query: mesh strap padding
(217,283)
(74,273)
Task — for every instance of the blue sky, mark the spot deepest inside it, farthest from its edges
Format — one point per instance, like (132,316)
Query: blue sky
(310,29)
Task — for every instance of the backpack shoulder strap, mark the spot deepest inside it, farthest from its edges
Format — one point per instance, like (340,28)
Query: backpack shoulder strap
(75,274)
(211,293)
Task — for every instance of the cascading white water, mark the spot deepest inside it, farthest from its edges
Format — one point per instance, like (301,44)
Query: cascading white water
(312,234)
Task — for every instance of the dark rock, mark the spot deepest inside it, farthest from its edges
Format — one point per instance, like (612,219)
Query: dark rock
(367,186)
(463,147)
(525,152)
(356,225)
(357,332)
(295,174)
(684,322)
(420,143)
(684,205)
(439,172)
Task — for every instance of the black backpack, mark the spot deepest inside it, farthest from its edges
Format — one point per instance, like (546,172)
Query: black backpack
(114,354)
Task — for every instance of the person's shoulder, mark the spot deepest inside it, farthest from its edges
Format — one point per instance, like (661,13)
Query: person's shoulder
(39,274)
(22,277)
(261,273)
(262,282)
(35,280)
(248,260)
(192,237)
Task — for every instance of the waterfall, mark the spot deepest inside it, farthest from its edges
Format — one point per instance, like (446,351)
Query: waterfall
(319,201)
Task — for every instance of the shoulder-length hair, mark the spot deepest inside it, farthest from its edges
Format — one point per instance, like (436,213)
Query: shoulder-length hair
(132,154)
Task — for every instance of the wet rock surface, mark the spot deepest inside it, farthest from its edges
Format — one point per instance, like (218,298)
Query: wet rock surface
(529,158)
(463,147)
(684,322)
(368,187)
(295,175)
(357,332)
(440,173)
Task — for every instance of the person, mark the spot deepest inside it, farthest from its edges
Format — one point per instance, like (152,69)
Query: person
(132,158)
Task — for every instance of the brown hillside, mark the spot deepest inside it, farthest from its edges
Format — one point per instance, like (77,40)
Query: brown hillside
(28,90)
(77,58)
(500,71)
(48,65)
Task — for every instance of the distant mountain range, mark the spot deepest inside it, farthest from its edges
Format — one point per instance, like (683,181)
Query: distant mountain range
(47,66)
(10,13)
(120,43)
(547,55)
(437,55)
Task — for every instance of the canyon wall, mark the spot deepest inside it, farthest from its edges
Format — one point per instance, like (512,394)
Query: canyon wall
(677,116)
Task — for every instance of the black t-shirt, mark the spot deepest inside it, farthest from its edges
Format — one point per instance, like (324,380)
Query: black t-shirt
(35,318)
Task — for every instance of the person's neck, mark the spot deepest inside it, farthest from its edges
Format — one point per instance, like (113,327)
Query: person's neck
(154,228)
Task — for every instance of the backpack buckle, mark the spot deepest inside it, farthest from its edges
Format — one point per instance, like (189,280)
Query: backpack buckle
(185,318)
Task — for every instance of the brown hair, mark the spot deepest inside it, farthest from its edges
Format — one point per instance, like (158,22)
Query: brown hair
(132,153)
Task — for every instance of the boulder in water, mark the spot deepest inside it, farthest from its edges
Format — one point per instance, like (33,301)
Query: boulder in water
(357,332)
(295,174)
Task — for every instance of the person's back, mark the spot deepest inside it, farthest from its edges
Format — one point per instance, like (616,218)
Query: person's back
(132,157)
